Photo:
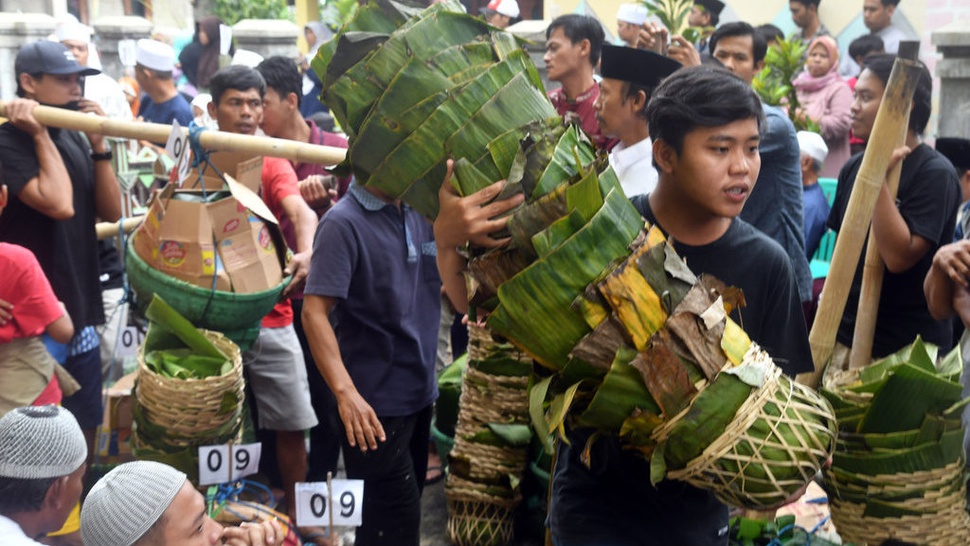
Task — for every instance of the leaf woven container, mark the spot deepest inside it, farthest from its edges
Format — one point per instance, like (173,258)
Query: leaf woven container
(178,415)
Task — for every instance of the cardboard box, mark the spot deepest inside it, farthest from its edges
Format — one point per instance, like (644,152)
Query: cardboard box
(235,239)
(114,438)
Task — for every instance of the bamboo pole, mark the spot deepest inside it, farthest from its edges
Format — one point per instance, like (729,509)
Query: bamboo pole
(299,152)
(872,276)
(890,121)
(106,230)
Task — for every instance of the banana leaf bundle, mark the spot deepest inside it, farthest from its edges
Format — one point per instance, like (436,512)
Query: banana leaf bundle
(627,339)
(899,465)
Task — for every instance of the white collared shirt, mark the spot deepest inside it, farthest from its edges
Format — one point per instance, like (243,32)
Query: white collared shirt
(12,535)
(634,167)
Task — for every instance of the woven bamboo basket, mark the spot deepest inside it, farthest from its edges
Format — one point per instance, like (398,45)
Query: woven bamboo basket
(482,501)
(477,518)
(190,410)
(736,466)
(938,496)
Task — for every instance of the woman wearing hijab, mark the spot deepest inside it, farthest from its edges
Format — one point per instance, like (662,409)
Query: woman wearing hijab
(825,99)
(209,54)
(316,33)
(189,59)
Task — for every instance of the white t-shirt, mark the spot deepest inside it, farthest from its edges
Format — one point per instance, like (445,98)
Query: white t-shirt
(12,535)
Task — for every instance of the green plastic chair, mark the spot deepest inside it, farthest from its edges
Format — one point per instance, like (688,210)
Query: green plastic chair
(823,255)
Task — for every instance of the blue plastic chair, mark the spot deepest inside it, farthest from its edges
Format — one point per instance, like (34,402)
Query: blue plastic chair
(823,255)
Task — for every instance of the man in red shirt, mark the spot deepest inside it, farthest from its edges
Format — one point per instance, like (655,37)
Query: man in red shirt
(573,45)
(275,362)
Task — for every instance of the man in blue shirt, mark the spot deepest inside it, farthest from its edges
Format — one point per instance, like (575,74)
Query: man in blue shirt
(813,151)
(371,311)
(153,72)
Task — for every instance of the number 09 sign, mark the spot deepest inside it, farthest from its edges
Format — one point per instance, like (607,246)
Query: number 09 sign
(314,505)
(225,463)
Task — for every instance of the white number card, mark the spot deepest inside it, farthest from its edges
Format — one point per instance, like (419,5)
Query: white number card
(221,464)
(313,503)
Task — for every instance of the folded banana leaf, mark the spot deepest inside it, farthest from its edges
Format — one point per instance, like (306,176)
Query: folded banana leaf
(906,397)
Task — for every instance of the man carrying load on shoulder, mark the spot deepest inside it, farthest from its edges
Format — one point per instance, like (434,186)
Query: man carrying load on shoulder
(275,362)
(705,125)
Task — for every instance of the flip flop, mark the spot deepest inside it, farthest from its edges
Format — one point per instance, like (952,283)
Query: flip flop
(434,475)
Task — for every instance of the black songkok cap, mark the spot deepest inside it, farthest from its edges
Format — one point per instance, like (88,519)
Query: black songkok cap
(713,6)
(957,150)
(635,65)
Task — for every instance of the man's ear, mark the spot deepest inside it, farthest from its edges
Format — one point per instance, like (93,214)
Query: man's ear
(664,156)
(758,66)
(27,82)
(584,48)
(805,162)
(293,101)
(212,109)
(54,499)
(640,101)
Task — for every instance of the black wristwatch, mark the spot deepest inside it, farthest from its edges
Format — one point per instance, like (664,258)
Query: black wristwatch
(104,156)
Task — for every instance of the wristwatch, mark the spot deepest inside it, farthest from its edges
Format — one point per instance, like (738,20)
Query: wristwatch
(104,156)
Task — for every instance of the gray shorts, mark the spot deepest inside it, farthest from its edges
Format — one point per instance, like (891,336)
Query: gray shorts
(277,376)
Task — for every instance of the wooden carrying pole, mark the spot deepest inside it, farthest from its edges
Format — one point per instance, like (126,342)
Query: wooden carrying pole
(892,118)
(299,152)
(872,274)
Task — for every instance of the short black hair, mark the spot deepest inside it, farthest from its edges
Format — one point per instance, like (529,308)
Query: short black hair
(882,66)
(577,28)
(866,44)
(887,3)
(807,3)
(740,28)
(280,73)
(238,77)
(158,74)
(700,96)
(23,495)
(770,33)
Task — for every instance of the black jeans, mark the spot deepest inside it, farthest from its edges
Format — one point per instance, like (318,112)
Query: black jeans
(393,477)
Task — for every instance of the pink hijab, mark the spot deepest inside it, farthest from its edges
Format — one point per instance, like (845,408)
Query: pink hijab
(807,82)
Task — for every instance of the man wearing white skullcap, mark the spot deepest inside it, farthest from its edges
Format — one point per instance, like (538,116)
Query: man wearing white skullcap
(154,62)
(42,454)
(145,503)
(813,152)
(629,18)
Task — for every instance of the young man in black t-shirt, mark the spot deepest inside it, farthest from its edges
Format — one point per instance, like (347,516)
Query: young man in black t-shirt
(59,182)
(705,125)
(908,229)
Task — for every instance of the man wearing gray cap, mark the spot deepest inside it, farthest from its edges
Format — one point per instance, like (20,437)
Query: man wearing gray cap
(145,503)
(42,454)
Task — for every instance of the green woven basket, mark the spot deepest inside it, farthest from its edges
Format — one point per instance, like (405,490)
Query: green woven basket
(236,315)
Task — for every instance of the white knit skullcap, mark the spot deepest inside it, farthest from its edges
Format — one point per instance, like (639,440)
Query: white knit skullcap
(127,501)
(40,442)
(635,14)
(813,145)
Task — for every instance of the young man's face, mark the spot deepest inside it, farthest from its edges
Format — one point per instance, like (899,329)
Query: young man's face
(614,112)
(875,15)
(79,49)
(801,14)
(717,167)
(238,111)
(699,17)
(187,523)
(627,31)
(54,89)
(865,103)
(563,57)
(736,53)
(498,20)
(276,113)
(69,492)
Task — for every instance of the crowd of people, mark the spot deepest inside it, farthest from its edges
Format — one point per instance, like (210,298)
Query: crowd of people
(348,357)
